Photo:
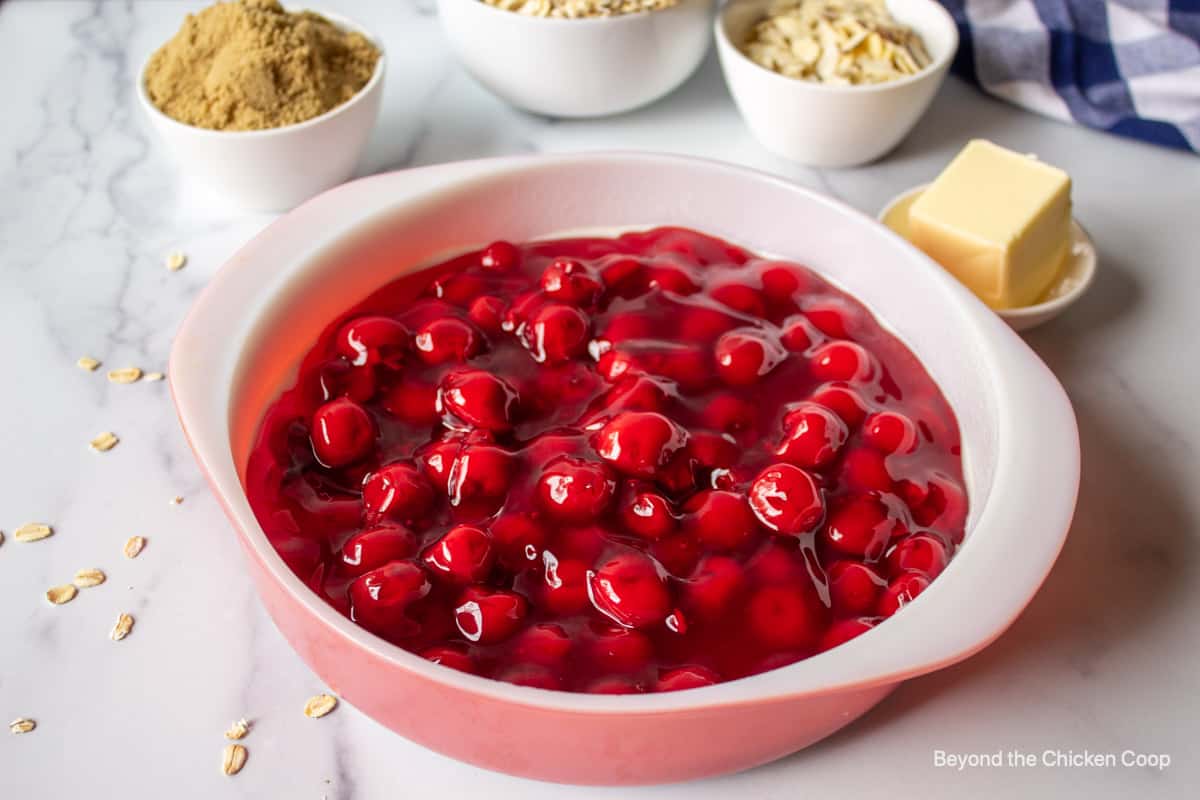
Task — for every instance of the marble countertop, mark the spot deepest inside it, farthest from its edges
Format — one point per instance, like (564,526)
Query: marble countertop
(1104,660)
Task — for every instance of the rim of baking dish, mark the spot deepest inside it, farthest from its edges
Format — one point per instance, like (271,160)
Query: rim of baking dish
(1022,523)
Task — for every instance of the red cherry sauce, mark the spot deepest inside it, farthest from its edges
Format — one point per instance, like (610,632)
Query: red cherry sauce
(645,463)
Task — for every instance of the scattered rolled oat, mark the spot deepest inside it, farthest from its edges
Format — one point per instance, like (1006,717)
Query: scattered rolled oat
(847,42)
(122,628)
(580,9)
(176,500)
(134,545)
(233,758)
(238,730)
(176,261)
(32,532)
(21,725)
(1,537)
(319,705)
(125,375)
(104,442)
(153,376)
(88,363)
(61,594)
(87,578)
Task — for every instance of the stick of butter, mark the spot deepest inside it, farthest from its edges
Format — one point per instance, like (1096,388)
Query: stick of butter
(998,221)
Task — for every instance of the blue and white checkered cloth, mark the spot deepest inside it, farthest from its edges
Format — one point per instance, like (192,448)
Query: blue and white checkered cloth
(1130,67)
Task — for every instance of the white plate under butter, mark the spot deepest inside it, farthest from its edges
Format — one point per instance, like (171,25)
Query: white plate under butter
(1072,281)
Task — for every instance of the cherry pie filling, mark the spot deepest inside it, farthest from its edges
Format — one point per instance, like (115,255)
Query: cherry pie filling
(643,463)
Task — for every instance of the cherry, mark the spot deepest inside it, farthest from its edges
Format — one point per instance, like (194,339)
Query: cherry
(618,649)
(621,327)
(448,340)
(556,333)
(457,289)
(377,546)
(730,414)
(631,393)
(564,589)
(670,279)
(812,436)
(720,520)
(463,555)
(690,677)
(629,589)
(398,491)
(380,597)
(678,553)
(518,539)
(799,334)
(890,432)
(520,310)
(843,401)
(740,297)
(841,361)
(861,526)
(487,616)
(864,469)
(714,586)
(944,508)
(479,472)
(778,561)
(918,553)
(479,399)
(413,401)
(781,283)
(337,378)
(373,340)
(342,432)
(639,443)
(705,324)
(620,272)
(569,281)
(830,316)
(745,355)
(573,489)
(450,657)
(648,514)
(854,587)
(688,366)
(844,630)
(786,499)
(785,616)
(436,460)
(900,592)
(487,312)
(500,256)
(546,644)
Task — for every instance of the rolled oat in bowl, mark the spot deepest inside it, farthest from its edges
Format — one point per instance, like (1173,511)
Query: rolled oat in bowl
(838,42)
(580,9)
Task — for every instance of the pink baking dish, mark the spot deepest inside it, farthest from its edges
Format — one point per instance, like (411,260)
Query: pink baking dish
(246,334)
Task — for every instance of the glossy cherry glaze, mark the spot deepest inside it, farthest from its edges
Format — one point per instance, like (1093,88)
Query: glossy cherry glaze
(645,463)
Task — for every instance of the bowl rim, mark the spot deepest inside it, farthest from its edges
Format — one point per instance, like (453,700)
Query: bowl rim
(934,68)
(632,18)
(341,21)
(203,402)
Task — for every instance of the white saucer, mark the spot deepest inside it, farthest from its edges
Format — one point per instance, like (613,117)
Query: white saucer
(1076,276)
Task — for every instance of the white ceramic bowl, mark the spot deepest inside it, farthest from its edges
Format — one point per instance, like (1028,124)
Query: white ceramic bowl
(278,168)
(578,67)
(242,341)
(1075,278)
(833,126)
